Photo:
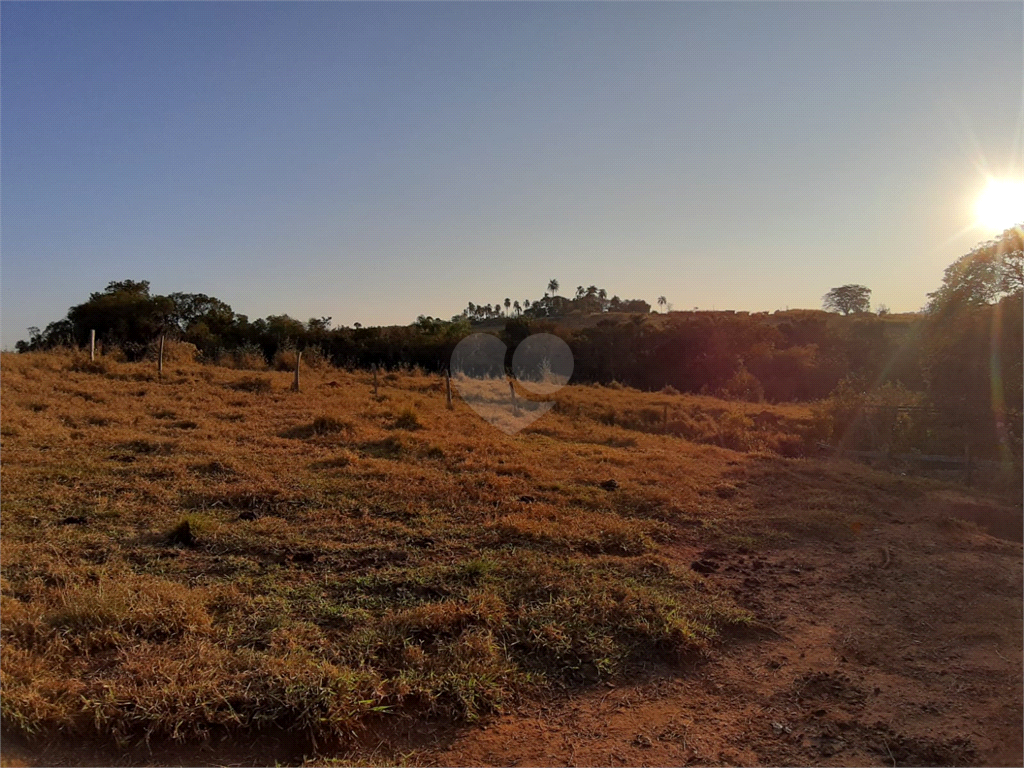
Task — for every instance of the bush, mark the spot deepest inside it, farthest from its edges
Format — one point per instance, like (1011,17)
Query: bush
(284,359)
(736,431)
(82,364)
(742,385)
(407,419)
(246,358)
(850,414)
(326,425)
(174,351)
(254,384)
(313,357)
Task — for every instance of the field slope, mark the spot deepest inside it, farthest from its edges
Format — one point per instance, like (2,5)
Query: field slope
(355,577)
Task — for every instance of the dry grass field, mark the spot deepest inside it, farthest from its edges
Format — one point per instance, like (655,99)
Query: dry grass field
(211,555)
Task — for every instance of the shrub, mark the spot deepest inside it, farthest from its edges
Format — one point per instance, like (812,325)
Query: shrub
(736,431)
(82,364)
(246,358)
(187,532)
(174,351)
(407,419)
(315,358)
(312,357)
(326,425)
(255,384)
(284,359)
(742,385)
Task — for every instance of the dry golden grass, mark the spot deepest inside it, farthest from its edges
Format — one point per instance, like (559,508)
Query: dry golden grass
(213,551)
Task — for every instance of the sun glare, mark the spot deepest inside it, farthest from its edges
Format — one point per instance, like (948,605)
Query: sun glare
(1001,204)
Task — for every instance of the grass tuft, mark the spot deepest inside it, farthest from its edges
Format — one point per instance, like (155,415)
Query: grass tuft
(254,384)
(407,419)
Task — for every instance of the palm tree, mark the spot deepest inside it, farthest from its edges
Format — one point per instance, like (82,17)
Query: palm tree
(526,303)
(515,306)
(508,303)
(553,287)
(662,301)
(579,292)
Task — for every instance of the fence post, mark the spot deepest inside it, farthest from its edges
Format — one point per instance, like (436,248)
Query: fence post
(515,405)
(448,388)
(160,360)
(298,359)
(92,345)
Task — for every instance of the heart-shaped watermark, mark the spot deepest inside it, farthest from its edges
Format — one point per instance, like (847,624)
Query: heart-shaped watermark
(541,365)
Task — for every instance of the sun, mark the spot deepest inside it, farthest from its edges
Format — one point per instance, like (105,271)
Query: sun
(1000,205)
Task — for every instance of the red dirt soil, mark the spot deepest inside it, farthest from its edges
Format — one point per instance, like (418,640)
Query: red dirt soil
(900,647)
(897,645)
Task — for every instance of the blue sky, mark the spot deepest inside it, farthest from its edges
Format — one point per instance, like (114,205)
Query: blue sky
(374,162)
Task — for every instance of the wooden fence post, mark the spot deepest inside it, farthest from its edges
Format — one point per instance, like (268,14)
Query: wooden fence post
(298,359)
(160,360)
(92,345)
(448,388)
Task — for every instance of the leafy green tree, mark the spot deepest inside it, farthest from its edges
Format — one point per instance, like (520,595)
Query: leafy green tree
(848,299)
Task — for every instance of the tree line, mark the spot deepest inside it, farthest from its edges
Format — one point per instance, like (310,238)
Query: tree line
(587,301)
(962,351)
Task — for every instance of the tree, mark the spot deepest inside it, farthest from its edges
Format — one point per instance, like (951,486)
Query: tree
(662,301)
(124,314)
(508,304)
(848,299)
(992,270)
(972,333)
(553,287)
(517,308)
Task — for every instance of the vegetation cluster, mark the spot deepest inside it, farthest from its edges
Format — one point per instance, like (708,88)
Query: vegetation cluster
(962,354)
